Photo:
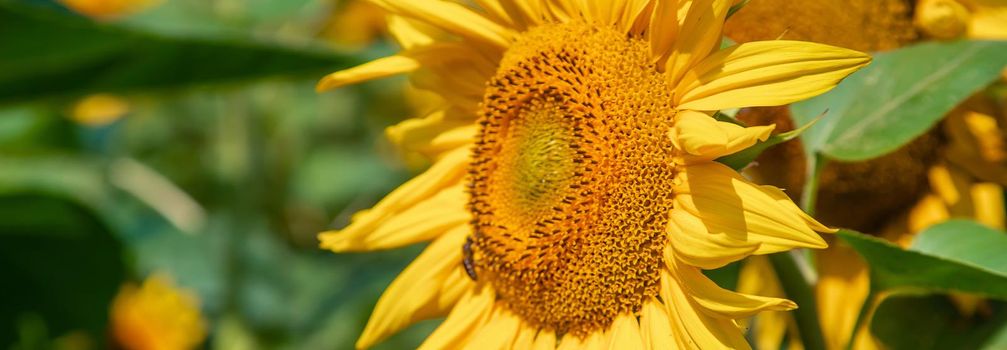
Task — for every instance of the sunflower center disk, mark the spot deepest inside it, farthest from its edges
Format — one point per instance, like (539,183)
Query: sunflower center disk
(571,178)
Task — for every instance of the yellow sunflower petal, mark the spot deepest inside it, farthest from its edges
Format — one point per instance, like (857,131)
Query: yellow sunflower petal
(705,138)
(655,327)
(424,221)
(571,343)
(694,244)
(765,73)
(452,17)
(379,68)
(362,233)
(498,333)
(719,302)
(432,135)
(626,334)
(633,10)
(696,38)
(519,14)
(737,210)
(545,340)
(525,337)
(494,10)
(663,29)
(428,288)
(470,314)
(694,329)
(560,11)
(409,34)
(596,341)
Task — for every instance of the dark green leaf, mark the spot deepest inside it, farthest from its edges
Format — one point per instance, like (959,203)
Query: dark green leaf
(61,265)
(898,97)
(931,322)
(49,53)
(936,270)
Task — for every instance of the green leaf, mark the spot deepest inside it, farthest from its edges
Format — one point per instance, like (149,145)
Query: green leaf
(967,242)
(898,97)
(741,159)
(935,268)
(47,53)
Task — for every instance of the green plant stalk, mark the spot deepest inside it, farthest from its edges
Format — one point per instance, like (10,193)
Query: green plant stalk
(809,195)
(799,287)
(866,310)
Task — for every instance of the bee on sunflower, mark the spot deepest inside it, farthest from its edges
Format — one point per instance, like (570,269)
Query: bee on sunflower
(574,196)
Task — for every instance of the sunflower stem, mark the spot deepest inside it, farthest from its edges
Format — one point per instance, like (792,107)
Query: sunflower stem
(809,194)
(797,279)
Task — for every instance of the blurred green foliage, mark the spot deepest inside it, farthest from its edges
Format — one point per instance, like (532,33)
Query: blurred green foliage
(226,166)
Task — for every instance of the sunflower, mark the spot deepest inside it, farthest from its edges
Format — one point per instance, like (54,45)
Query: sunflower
(574,197)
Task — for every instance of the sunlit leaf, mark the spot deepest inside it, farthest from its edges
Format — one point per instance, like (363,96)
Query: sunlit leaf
(898,97)
(934,265)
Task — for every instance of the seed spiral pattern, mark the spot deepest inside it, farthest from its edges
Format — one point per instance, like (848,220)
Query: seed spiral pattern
(571,178)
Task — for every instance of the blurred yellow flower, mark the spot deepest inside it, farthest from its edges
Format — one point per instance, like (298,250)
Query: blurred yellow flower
(355,23)
(99,109)
(950,19)
(574,198)
(156,315)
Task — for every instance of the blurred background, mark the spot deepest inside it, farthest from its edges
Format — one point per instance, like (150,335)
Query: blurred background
(183,139)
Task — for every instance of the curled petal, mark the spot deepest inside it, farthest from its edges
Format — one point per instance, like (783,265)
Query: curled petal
(704,138)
